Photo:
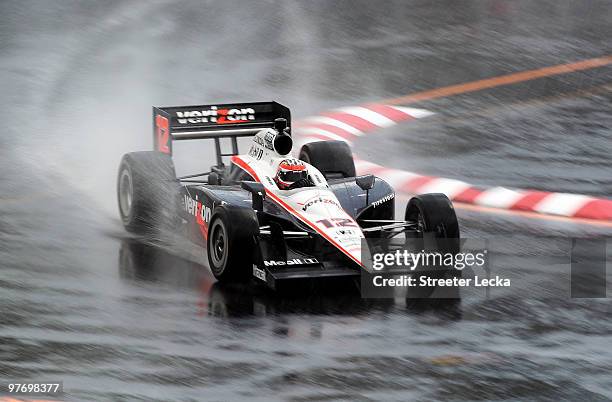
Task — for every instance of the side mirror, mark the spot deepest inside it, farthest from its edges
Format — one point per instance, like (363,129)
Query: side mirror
(365,182)
(258,192)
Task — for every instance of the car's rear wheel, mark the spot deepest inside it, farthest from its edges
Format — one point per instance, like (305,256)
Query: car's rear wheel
(147,191)
(231,243)
(333,158)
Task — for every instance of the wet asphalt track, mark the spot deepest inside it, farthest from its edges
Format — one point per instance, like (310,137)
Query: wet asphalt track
(115,320)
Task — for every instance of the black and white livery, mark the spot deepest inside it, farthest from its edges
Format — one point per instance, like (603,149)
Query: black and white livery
(265,214)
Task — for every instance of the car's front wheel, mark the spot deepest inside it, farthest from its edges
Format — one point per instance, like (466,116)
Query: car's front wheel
(435,215)
(438,228)
(231,243)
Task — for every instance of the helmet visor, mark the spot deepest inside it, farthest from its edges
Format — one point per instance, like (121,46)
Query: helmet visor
(291,176)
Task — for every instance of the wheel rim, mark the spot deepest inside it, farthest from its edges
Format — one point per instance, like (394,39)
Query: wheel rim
(125,193)
(218,246)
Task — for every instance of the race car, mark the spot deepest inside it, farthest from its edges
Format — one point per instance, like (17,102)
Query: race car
(265,214)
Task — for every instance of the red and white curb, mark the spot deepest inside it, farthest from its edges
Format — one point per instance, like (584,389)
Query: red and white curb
(349,123)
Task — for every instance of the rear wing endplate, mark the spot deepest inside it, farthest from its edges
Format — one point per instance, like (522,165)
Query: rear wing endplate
(213,121)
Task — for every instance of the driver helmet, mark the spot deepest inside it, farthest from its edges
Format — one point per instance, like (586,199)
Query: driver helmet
(289,172)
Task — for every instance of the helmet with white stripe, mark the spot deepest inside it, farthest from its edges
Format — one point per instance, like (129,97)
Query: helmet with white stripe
(290,173)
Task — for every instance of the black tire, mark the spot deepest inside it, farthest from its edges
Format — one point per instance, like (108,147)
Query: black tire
(231,243)
(437,220)
(333,158)
(436,215)
(147,192)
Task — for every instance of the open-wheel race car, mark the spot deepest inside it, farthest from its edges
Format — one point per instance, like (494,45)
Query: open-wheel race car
(265,214)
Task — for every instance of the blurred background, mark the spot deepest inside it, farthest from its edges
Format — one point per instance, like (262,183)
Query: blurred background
(118,320)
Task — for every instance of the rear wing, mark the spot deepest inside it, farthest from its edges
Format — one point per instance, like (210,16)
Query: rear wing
(213,121)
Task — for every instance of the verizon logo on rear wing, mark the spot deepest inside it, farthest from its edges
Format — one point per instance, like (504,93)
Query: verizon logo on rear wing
(216,115)
(213,121)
